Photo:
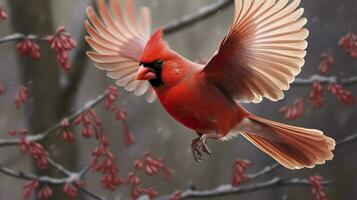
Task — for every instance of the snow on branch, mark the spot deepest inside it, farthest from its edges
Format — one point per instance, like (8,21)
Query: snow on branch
(19,36)
(225,190)
(70,178)
(325,80)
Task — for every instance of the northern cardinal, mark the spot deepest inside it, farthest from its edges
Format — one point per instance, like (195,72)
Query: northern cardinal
(259,57)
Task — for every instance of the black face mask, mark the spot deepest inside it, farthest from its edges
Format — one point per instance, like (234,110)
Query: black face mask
(155,67)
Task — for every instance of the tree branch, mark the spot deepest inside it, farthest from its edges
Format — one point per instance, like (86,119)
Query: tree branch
(266,170)
(325,80)
(41,136)
(75,177)
(201,14)
(225,190)
(19,36)
(30,176)
(91,193)
(347,140)
(71,177)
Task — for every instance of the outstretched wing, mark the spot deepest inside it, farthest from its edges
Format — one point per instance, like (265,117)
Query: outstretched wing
(119,38)
(263,51)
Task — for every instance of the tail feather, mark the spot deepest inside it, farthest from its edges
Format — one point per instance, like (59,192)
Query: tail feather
(293,147)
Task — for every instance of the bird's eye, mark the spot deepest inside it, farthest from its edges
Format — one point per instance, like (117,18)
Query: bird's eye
(159,62)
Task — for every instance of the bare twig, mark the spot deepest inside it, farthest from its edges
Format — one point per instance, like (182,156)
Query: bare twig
(266,170)
(19,36)
(40,136)
(201,14)
(91,193)
(71,177)
(225,190)
(30,176)
(59,167)
(325,80)
(347,140)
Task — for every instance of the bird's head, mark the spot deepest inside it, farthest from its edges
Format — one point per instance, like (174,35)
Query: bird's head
(160,65)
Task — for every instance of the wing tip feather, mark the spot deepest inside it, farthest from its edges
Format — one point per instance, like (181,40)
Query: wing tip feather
(102,55)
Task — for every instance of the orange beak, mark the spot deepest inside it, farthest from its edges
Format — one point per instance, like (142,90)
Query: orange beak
(144,73)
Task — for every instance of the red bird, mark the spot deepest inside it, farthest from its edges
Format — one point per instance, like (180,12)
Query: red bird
(259,57)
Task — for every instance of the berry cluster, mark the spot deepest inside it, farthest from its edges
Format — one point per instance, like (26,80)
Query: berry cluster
(3,14)
(317,188)
(21,97)
(151,166)
(28,47)
(294,111)
(62,42)
(239,169)
(349,44)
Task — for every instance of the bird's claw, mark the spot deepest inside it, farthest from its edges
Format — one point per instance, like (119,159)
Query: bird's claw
(196,152)
(198,146)
(206,149)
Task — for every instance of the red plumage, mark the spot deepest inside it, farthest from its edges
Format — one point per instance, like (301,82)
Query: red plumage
(259,57)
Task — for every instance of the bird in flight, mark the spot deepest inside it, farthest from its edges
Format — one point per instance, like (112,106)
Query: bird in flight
(258,58)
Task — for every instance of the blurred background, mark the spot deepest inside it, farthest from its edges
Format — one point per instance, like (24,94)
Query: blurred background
(154,129)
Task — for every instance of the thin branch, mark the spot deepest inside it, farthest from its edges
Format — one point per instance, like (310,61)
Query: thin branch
(201,14)
(19,36)
(225,190)
(50,180)
(77,176)
(71,177)
(30,176)
(41,136)
(325,80)
(91,193)
(347,140)
(266,170)
(59,167)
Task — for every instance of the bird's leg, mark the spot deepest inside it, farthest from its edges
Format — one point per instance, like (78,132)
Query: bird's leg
(200,145)
(196,152)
